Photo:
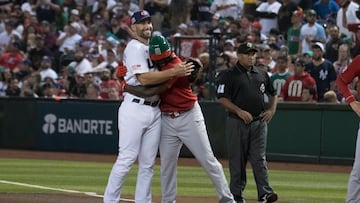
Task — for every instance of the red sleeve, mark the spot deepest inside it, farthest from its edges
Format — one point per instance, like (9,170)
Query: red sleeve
(346,77)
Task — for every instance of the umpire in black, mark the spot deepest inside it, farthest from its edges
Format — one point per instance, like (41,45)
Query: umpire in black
(241,91)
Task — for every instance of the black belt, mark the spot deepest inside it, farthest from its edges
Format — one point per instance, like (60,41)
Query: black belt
(148,103)
(255,118)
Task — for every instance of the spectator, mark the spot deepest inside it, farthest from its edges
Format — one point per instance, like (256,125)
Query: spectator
(81,64)
(12,56)
(279,77)
(47,10)
(46,70)
(326,9)
(49,36)
(331,97)
(293,33)
(343,59)
(311,32)
(308,56)
(67,42)
(222,63)
(192,48)
(92,91)
(179,11)
(267,59)
(295,84)
(13,89)
(201,11)
(284,16)
(36,54)
(309,94)
(78,88)
(321,70)
(332,46)
(268,13)
(107,83)
(347,15)
(7,35)
(24,71)
(228,8)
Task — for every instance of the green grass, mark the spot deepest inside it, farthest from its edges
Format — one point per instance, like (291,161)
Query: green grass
(292,186)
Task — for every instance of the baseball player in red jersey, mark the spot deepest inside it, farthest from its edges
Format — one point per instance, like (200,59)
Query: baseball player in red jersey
(139,119)
(343,80)
(182,122)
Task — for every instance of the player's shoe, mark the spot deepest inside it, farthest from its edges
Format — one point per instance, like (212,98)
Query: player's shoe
(269,198)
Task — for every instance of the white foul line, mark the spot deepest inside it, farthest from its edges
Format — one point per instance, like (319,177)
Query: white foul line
(92,194)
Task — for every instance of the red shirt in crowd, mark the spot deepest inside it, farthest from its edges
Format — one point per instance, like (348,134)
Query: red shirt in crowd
(11,60)
(294,86)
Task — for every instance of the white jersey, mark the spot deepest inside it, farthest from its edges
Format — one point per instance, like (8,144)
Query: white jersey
(137,60)
(268,23)
(350,18)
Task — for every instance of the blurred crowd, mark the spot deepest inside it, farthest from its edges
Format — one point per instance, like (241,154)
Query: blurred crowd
(73,48)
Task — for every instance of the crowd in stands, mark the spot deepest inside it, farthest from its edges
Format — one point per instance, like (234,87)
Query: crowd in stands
(73,48)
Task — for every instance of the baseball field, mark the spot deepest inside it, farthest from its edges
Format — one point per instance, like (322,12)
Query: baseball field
(47,177)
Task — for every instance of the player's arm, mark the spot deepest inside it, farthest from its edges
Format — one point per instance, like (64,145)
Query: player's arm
(145,91)
(153,78)
(346,77)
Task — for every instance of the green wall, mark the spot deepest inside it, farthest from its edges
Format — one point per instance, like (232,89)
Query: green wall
(298,132)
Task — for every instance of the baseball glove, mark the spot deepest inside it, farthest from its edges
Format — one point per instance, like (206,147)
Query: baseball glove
(198,67)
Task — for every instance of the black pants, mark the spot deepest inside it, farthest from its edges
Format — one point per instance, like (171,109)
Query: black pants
(247,142)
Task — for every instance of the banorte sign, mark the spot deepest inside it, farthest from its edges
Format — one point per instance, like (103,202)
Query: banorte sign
(54,125)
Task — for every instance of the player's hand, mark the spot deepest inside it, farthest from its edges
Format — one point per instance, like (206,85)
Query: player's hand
(355,107)
(183,69)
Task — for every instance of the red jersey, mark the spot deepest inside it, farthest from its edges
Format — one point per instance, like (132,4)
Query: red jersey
(179,96)
(346,77)
(294,85)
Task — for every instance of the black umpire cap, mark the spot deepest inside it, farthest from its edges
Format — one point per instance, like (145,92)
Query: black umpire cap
(246,47)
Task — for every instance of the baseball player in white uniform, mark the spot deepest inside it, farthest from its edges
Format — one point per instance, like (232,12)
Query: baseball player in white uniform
(139,118)
(182,123)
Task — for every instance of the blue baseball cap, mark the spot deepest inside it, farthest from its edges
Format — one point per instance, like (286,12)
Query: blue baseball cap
(139,16)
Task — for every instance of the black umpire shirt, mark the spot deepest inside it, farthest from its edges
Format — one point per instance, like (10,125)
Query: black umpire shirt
(245,88)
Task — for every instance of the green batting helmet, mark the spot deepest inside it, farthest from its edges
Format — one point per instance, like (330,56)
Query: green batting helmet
(159,48)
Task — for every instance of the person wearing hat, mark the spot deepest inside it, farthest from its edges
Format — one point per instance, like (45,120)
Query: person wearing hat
(139,118)
(311,32)
(293,33)
(322,70)
(241,91)
(68,39)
